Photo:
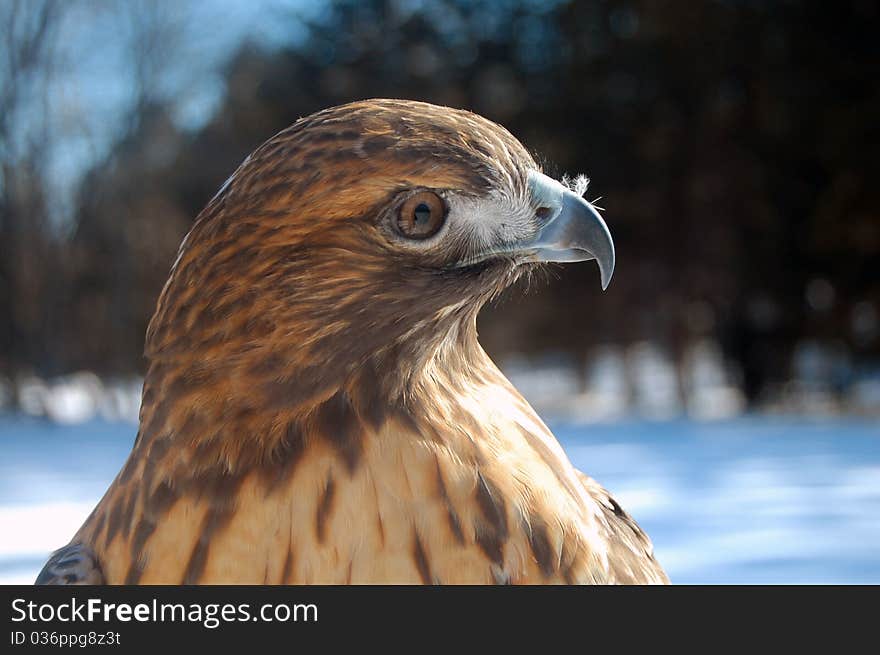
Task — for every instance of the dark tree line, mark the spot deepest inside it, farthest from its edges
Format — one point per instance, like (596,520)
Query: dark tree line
(733,143)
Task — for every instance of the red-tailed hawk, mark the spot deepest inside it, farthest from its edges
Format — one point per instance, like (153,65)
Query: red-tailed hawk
(317,407)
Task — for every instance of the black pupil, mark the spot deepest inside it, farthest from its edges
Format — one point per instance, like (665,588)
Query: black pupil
(421,215)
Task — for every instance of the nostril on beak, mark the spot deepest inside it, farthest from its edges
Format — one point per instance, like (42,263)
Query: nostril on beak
(544,213)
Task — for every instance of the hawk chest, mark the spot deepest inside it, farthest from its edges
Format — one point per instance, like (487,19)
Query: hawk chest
(479,497)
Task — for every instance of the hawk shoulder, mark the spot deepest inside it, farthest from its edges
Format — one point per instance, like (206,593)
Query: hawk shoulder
(630,551)
(74,564)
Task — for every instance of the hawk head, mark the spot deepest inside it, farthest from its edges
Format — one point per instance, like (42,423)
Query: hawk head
(361,241)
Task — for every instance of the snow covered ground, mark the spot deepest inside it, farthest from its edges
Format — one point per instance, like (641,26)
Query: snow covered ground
(748,500)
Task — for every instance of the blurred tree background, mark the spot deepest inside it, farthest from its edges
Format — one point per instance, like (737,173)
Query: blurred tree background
(734,144)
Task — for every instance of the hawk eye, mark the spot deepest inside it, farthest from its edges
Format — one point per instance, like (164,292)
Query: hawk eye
(422,215)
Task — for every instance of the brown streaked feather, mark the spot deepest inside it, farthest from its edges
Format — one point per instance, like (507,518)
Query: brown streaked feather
(75,564)
(631,553)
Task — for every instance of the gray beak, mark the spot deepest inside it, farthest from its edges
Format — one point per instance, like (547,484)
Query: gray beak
(572,230)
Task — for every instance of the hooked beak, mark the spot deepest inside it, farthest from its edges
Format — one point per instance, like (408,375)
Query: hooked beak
(572,229)
(569,229)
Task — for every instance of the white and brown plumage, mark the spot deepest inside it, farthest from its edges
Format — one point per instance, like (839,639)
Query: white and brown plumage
(317,408)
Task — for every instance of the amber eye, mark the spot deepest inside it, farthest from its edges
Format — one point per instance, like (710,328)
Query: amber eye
(422,215)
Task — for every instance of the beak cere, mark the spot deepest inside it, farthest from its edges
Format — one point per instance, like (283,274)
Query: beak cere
(573,230)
